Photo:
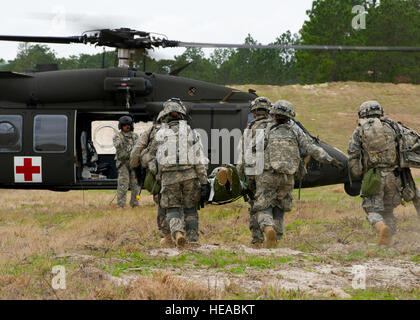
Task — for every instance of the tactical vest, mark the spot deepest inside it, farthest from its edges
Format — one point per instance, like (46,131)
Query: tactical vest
(174,159)
(282,151)
(257,124)
(128,144)
(378,143)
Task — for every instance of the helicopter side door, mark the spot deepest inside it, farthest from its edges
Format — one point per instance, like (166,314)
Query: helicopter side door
(37,149)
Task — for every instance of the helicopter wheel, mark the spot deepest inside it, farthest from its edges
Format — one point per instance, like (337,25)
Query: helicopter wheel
(354,189)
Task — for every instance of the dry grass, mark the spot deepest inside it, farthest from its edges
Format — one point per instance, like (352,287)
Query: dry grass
(330,110)
(92,239)
(102,247)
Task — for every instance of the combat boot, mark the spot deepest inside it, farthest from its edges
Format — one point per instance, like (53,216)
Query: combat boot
(384,234)
(180,239)
(270,237)
(167,242)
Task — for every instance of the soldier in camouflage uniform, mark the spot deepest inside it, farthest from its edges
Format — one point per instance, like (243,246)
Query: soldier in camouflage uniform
(183,181)
(260,107)
(281,161)
(373,145)
(143,155)
(124,142)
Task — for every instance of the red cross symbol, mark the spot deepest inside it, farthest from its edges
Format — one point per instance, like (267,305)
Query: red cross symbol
(27,169)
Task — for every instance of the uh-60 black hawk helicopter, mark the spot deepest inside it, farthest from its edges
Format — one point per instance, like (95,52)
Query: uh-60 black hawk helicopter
(46,118)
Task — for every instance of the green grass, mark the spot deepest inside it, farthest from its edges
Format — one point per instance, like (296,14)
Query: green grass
(219,260)
(388,294)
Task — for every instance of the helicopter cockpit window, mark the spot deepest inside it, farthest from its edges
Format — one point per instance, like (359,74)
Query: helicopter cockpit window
(50,133)
(10,133)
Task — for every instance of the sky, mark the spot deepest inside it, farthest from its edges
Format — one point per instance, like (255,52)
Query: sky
(224,21)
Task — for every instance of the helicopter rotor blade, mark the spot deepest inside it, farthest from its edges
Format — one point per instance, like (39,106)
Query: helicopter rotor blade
(294,47)
(63,40)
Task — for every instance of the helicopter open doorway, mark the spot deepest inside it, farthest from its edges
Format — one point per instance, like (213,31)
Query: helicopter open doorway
(96,165)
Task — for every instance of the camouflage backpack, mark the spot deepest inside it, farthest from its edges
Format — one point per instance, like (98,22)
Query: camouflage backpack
(282,152)
(378,143)
(409,147)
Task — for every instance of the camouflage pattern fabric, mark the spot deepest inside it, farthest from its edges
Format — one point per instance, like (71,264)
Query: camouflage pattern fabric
(274,190)
(257,123)
(126,175)
(161,217)
(191,224)
(142,143)
(127,179)
(272,216)
(381,206)
(275,185)
(175,221)
(185,171)
(371,146)
(184,194)
(283,143)
(124,144)
(181,183)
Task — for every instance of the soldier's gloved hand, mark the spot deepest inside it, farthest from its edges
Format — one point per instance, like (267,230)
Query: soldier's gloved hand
(337,164)
(205,192)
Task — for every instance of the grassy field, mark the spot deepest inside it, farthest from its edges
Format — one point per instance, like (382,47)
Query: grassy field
(329,110)
(115,254)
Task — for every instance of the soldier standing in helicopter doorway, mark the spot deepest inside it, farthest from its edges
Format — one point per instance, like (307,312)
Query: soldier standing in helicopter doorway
(124,143)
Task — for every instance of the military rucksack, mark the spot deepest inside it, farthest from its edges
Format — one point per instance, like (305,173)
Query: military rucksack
(378,143)
(409,146)
(282,152)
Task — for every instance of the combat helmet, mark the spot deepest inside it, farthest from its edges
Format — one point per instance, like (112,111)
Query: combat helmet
(261,103)
(124,120)
(369,109)
(284,108)
(173,105)
(159,117)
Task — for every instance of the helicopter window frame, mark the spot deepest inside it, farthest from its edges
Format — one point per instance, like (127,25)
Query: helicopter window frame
(51,116)
(16,121)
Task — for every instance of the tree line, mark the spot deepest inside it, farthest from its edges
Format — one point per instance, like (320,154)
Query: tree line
(329,22)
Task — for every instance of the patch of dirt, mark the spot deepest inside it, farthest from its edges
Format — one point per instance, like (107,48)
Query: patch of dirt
(315,278)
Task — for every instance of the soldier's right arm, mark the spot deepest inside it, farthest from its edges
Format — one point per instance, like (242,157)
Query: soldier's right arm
(315,151)
(355,154)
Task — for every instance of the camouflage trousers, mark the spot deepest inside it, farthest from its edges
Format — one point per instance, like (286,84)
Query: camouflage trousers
(127,179)
(185,194)
(272,199)
(273,216)
(381,206)
(181,200)
(190,222)
(161,217)
(184,221)
(274,190)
